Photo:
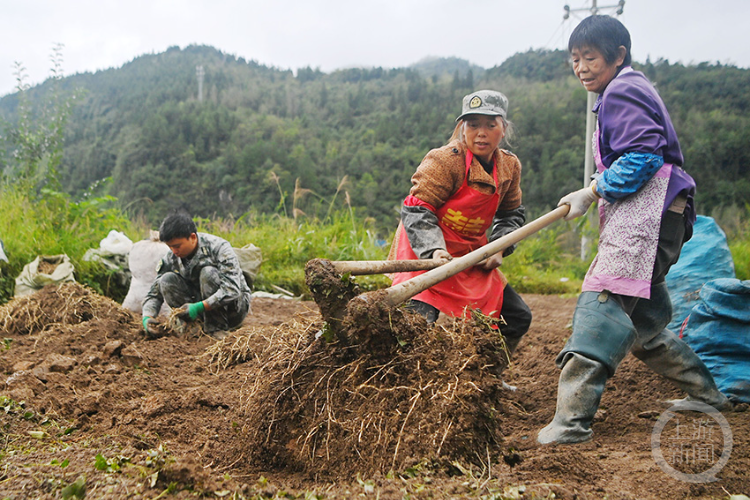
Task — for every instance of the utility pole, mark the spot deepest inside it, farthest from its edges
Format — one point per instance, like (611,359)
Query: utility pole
(199,71)
(588,163)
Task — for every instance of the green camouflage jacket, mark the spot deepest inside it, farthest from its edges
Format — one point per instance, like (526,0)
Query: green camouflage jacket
(212,251)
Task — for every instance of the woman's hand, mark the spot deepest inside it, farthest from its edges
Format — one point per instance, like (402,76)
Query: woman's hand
(579,201)
(492,262)
(442,255)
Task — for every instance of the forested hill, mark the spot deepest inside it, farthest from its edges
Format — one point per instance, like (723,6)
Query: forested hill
(256,132)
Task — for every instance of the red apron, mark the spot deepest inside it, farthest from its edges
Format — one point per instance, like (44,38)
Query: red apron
(464,220)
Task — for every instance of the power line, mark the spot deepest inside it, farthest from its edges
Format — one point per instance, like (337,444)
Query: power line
(594,9)
(558,29)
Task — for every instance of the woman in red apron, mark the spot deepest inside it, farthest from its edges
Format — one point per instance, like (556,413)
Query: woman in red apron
(459,193)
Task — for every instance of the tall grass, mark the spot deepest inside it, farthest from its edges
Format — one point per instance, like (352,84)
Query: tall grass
(736,224)
(547,262)
(50,224)
(287,244)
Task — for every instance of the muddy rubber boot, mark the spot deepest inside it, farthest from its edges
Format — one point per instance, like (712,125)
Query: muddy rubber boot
(602,335)
(668,355)
(511,343)
(578,395)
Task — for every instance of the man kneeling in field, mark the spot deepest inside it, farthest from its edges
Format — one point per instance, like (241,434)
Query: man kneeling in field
(200,277)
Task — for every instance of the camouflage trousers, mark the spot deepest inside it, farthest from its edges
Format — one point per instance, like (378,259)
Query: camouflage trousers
(178,291)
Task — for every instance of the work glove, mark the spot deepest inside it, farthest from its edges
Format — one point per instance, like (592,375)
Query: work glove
(441,254)
(153,327)
(579,201)
(191,311)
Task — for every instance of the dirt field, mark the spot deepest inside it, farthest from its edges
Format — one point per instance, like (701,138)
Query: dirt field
(91,404)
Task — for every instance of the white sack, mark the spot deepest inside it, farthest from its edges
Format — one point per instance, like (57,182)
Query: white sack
(142,261)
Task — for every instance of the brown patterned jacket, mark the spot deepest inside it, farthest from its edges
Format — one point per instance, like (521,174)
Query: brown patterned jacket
(442,173)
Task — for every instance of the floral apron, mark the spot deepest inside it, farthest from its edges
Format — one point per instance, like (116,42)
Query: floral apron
(464,220)
(628,236)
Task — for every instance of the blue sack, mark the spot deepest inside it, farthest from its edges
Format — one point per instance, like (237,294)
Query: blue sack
(718,330)
(704,257)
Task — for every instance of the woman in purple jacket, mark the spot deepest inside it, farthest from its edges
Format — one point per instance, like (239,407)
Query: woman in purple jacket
(646,213)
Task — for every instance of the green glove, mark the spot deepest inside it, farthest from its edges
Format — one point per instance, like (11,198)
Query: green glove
(192,310)
(145,323)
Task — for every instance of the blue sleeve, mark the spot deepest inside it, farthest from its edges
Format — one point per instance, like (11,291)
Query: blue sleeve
(627,175)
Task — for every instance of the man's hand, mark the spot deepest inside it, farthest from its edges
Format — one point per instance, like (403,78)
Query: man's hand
(441,255)
(579,201)
(153,327)
(492,262)
(191,311)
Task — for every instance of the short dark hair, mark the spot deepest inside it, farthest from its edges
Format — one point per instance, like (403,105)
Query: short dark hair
(178,225)
(603,33)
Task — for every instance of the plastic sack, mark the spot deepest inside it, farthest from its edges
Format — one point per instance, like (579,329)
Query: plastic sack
(3,257)
(142,260)
(116,243)
(42,271)
(250,258)
(718,330)
(704,257)
(113,254)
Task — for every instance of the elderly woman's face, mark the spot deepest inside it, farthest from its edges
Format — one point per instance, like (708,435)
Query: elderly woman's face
(483,134)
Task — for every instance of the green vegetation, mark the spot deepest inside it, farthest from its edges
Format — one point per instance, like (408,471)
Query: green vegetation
(314,164)
(257,133)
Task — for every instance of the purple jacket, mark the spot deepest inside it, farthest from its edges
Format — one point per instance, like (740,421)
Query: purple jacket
(633,119)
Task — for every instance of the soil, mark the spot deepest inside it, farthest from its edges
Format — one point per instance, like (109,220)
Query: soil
(273,411)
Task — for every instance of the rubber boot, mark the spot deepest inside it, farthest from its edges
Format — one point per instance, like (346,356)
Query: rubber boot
(578,395)
(602,336)
(429,312)
(511,343)
(668,355)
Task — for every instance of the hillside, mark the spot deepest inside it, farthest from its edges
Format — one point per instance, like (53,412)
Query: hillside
(251,134)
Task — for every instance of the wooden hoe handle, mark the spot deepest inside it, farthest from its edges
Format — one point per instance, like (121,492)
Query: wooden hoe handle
(404,291)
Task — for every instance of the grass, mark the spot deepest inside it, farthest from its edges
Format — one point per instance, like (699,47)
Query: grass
(288,244)
(50,223)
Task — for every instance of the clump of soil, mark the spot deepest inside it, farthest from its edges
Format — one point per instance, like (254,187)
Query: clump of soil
(364,323)
(322,409)
(332,292)
(391,391)
(47,267)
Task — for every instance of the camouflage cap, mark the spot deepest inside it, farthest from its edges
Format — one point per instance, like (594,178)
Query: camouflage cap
(484,102)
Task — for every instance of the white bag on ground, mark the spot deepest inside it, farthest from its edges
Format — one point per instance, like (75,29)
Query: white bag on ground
(42,271)
(250,258)
(142,260)
(113,254)
(3,257)
(116,243)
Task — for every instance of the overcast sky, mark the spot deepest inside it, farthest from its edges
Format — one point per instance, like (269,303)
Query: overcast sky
(330,34)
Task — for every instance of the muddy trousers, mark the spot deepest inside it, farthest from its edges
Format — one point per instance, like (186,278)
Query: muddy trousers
(177,291)
(515,312)
(602,335)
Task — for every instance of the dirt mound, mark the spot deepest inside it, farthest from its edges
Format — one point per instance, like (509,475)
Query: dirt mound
(330,409)
(389,392)
(89,400)
(54,306)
